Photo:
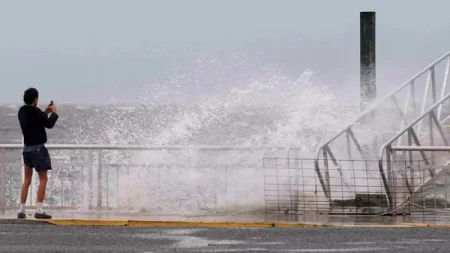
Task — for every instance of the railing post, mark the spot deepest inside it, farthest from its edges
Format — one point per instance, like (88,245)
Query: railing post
(327,171)
(431,139)
(413,98)
(90,178)
(433,84)
(321,180)
(2,182)
(391,179)
(349,147)
(410,160)
(99,180)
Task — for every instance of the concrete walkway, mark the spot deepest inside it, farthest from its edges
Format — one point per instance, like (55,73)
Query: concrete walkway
(230,220)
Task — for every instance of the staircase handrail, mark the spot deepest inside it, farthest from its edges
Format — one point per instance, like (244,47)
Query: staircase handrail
(386,148)
(324,148)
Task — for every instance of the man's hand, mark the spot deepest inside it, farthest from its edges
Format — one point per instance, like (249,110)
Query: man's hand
(51,108)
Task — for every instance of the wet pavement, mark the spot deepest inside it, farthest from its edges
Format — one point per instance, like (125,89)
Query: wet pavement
(35,236)
(442,218)
(48,238)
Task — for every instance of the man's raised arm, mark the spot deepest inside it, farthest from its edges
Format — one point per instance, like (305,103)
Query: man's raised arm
(49,121)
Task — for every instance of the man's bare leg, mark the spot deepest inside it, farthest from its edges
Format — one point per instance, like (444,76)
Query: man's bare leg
(42,186)
(43,178)
(24,192)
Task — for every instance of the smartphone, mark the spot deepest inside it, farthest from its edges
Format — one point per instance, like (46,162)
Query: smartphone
(51,103)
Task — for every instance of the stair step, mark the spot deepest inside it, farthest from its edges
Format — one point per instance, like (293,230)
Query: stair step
(363,203)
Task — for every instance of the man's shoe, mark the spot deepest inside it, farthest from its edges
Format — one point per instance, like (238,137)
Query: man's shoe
(42,216)
(21,216)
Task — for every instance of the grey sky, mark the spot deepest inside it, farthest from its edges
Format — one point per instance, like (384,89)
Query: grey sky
(87,51)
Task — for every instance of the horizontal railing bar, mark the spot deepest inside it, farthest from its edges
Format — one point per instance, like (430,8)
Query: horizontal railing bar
(154,166)
(411,125)
(378,103)
(420,148)
(58,208)
(149,147)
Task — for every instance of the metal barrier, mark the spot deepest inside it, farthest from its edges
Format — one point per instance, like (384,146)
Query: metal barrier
(144,178)
(382,120)
(291,187)
(438,149)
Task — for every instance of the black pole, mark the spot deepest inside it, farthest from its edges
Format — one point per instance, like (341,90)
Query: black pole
(367,59)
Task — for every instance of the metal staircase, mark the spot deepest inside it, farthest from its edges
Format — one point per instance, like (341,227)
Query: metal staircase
(426,155)
(397,137)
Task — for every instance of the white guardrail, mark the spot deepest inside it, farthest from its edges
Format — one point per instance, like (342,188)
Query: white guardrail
(147,147)
(140,177)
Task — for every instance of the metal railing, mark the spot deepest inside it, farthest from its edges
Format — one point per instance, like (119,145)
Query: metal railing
(435,151)
(291,188)
(382,120)
(139,178)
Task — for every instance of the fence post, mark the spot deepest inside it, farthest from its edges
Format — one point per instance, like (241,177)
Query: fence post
(297,181)
(99,180)
(390,180)
(2,182)
(90,178)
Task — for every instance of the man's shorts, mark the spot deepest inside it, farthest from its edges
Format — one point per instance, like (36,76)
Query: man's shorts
(37,157)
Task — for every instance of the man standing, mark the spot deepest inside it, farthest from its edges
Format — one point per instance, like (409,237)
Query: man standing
(33,122)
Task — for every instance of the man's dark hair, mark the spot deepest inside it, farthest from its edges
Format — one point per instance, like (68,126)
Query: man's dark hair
(30,95)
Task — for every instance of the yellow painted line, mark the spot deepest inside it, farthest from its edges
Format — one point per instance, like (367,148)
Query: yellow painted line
(428,225)
(143,223)
(81,222)
(374,226)
(212,224)
(299,225)
(136,223)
